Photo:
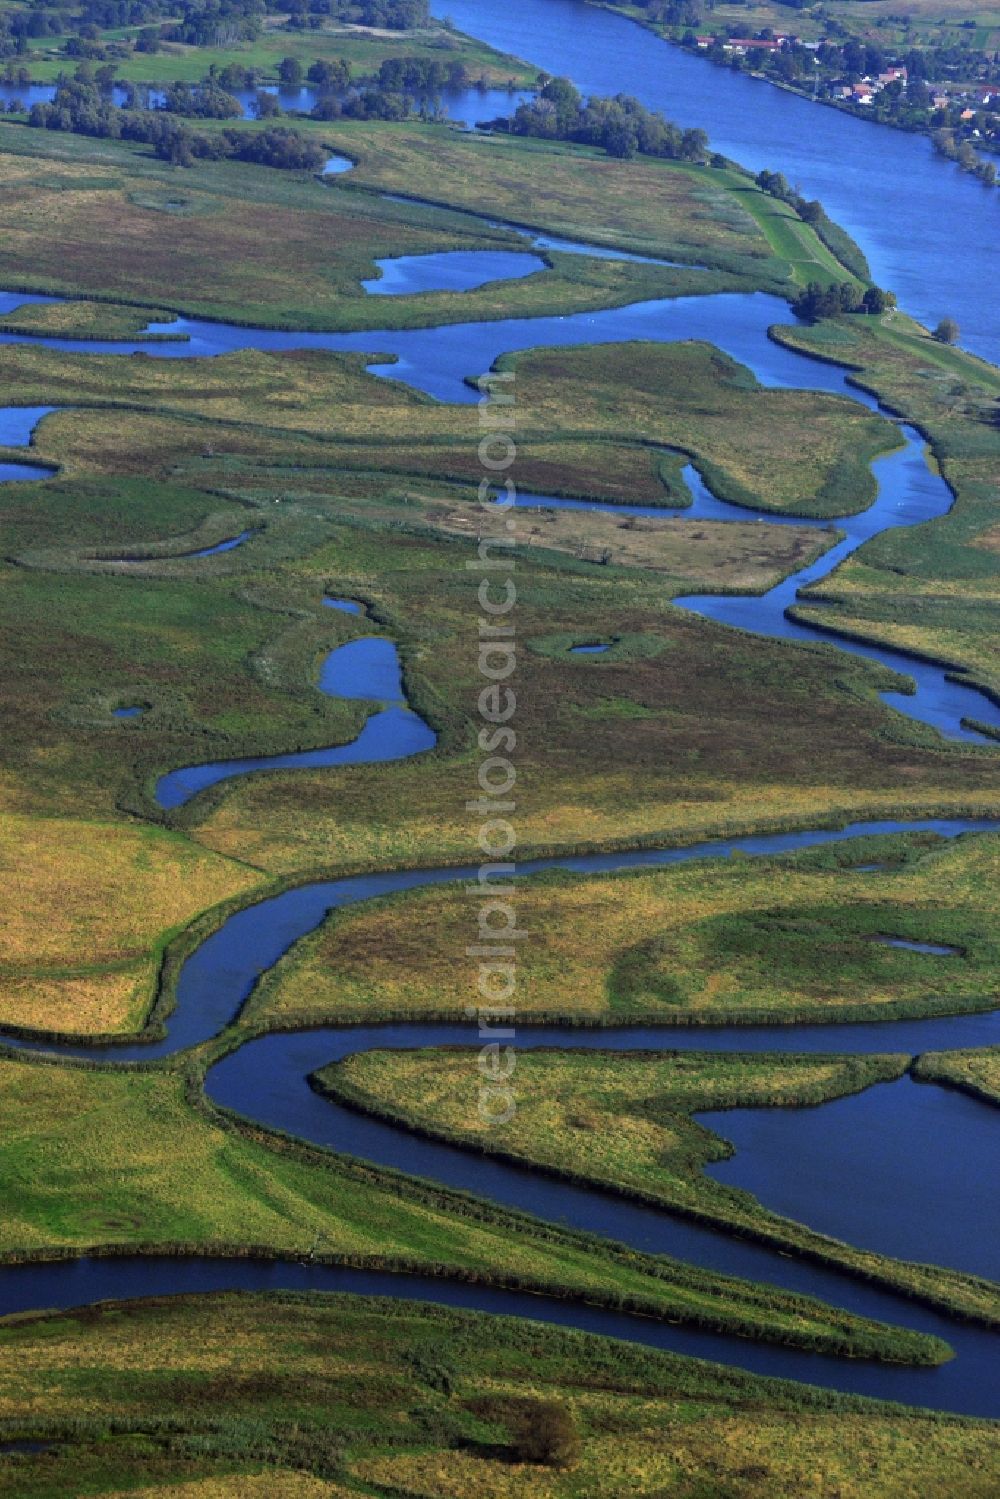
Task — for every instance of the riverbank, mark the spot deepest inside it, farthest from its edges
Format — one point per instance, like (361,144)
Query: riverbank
(805,88)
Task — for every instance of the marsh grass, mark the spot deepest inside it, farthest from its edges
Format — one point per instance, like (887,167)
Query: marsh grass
(86,1169)
(622,1122)
(293,1397)
(929,589)
(975,1072)
(763,940)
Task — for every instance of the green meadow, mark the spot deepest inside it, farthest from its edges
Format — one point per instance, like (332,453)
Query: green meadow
(325,1397)
(116,1159)
(768,940)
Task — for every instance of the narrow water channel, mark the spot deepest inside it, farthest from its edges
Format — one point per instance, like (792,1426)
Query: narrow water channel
(267,1079)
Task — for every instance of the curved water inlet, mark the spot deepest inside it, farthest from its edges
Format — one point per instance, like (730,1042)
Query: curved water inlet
(363,670)
(253,941)
(541,241)
(913,1153)
(738,323)
(17,429)
(18,473)
(229,544)
(267,1078)
(909,494)
(269,1073)
(450,270)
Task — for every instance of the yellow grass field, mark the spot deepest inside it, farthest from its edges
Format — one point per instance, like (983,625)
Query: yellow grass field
(730,937)
(95,895)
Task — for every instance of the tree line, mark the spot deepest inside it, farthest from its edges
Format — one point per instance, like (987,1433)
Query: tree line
(83,109)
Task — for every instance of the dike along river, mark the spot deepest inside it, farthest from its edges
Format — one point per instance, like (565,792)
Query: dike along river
(267,1078)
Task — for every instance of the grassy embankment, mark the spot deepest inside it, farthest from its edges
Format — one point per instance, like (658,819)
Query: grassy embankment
(932,590)
(975,1072)
(289,1397)
(119,1160)
(775,940)
(622,1122)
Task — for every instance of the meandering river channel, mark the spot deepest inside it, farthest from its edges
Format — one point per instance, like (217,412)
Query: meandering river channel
(267,1078)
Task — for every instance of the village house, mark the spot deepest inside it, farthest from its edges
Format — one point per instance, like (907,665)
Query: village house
(746,44)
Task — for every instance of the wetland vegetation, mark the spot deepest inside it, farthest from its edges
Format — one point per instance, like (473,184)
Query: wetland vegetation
(118,593)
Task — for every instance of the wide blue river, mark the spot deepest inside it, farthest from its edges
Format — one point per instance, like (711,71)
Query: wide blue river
(930,232)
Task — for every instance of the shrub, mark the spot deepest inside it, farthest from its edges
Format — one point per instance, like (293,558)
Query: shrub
(547,1435)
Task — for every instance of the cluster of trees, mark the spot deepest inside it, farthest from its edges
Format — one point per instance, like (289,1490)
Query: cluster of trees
(403,86)
(818,301)
(206,101)
(215,23)
(621,126)
(113,13)
(946,143)
(84,109)
(777,186)
(423,76)
(368,104)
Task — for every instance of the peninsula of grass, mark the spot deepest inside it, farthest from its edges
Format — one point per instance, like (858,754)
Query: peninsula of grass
(286,1396)
(975,1071)
(663,399)
(651,203)
(622,1122)
(110,1160)
(768,940)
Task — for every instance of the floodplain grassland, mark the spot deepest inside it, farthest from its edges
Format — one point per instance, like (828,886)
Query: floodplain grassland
(676,210)
(320,1397)
(933,589)
(706,683)
(774,940)
(648,743)
(686,396)
(622,1122)
(159,458)
(746,440)
(82,319)
(119,1159)
(92,903)
(230,236)
(974,1071)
